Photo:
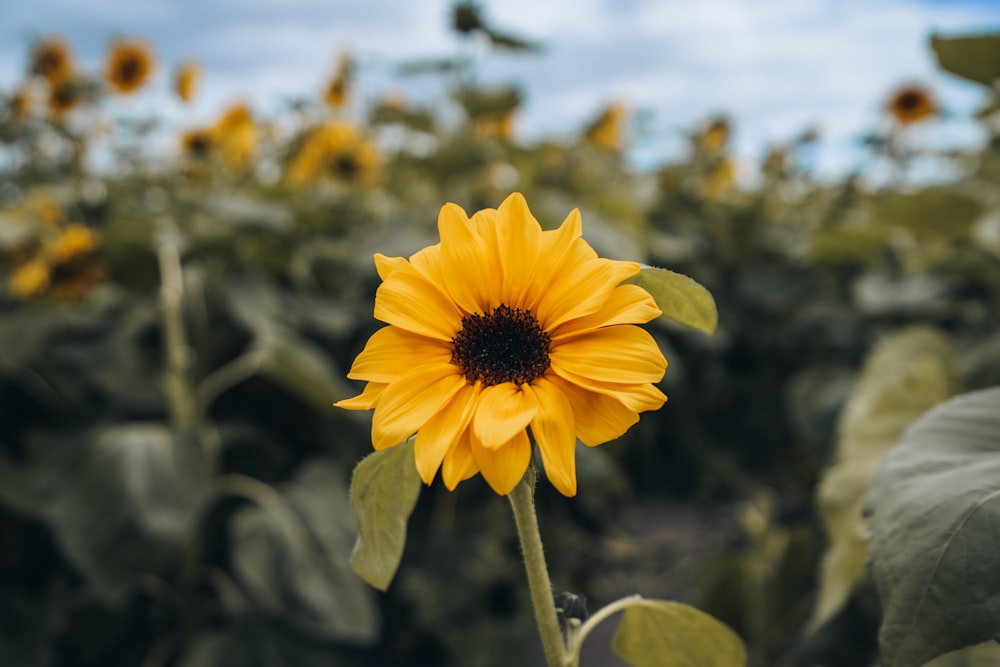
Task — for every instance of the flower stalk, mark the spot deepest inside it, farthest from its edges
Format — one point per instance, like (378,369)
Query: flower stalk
(183,410)
(523,503)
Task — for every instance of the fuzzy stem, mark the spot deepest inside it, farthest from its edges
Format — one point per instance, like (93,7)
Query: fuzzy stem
(522,502)
(183,410)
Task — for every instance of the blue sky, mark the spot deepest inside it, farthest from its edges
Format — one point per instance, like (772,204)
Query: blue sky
(775,67)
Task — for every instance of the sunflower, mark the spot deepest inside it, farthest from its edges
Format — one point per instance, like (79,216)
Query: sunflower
(52,59)
(337,150)
(499,331)
(64,268)
(186,79)
(911,104)
(64,97)
(129,66)
(712,140)
(198,144)
(608,129)
(235,135)
(338,88)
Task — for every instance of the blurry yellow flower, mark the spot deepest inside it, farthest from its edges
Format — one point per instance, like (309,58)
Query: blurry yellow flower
(64,268)
(198,143)
(497,128)
(19,105)
(503,329)
(337,150)
(235,134)
(186,79)
(338,88)
(52,59)
(64,97)
(129,65)
(712,140)
(30,279)
(607,131)
(911,104)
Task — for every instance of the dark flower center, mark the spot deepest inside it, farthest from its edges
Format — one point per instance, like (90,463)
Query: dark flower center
(910,100)
(507,345)
(345,166)
(129,69)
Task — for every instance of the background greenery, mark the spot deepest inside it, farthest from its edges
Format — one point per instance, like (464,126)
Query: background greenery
(173,478)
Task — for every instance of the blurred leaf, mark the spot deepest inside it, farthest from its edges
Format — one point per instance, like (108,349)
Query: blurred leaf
(432,66)
(482,102)
(300,366)
(846,244)
(120,501)
(935,507)
(254,642)
(384,490)
(511,42)
(681,299)
(986,654)
(661,633)
(939,212)
(976,58)
(290,552)
(906,374)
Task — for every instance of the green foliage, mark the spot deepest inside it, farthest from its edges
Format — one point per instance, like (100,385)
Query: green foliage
(935,505)
(661,633)
(906,374)
(384,490)
(681,299)
(976,58)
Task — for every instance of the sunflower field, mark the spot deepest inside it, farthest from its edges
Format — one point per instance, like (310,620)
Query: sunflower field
(181,308)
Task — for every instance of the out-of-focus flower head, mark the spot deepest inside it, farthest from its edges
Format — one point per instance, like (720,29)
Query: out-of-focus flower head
(186,78)
(336,150)
(129,65)
(65,96)
(713,139)
(52,59)
(338,89)
(911,104)
(64,268)
(235,135)
(607,130)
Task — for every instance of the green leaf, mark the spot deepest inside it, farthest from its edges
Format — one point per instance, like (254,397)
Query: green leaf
(680,298)
(906,374)
(290,553)
(937,213)
(935,507)
(384,491)
(120,501)
(661,633)
(975,57)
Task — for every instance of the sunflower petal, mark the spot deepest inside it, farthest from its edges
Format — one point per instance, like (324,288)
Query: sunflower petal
(636,397)
(409,300)
(406,404)
(628,304)
(366,400)
(519,238)
(392,352)
(458,463)
(599,418)
(504,466)
(581,290)
(625,354)
(442,431)
(554,429)
(386,265)
(468,266)
(503,411)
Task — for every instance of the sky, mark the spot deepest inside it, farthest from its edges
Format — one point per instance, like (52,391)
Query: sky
(774,67)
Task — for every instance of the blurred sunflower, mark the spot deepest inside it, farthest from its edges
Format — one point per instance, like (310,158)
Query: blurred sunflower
(336,150)
(607,131)
(235,135)
(64,268)
(338,88)
(198,144)
(19,105)
(129,65)
(712,140)
(911,104)
(503,329)
(65,96)
(497,128)
(52,59)
(186,80)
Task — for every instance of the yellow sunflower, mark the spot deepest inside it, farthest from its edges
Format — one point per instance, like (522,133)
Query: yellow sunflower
(129,66)
(52,59)
(911,104)
(64,268)
(336,150)
(338,88)
(64,97)
(500,331)
(607,131)
(186,80)
(235,135)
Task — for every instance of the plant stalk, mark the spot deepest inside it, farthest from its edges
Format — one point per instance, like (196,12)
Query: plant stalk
(523,503)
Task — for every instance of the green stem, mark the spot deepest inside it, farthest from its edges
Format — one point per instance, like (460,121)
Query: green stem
(522,502)
(182,407)
(576,642)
